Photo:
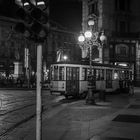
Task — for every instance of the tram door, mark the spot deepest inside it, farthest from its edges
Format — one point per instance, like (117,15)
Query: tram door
(72,80)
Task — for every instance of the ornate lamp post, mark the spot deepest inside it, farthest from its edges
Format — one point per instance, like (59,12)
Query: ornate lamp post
(89,39)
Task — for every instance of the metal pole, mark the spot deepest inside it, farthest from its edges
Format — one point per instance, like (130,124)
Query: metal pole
(38,97)
(90,59)
(90,97)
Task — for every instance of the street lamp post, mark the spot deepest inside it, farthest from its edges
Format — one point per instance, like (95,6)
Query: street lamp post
(89,39)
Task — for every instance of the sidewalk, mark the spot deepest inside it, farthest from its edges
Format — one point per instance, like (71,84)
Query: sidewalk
(116,119)
(121,125)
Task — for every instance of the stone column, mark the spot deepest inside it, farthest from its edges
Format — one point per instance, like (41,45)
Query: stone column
(18,69)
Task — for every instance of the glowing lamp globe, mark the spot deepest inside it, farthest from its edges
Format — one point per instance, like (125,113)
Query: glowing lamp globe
(91,22)
(81,38)
(65,57)
(88,34)
(102,37)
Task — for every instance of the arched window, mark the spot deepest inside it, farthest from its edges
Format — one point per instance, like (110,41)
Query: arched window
(121,49)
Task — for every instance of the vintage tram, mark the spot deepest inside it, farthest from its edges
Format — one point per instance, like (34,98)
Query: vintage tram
(71,79)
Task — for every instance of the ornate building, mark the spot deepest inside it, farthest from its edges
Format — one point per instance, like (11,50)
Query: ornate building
(120,21)
(64,43)
(12,47)
(18,55)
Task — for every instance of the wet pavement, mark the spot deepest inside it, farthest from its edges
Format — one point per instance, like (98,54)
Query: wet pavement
(118,118)
(19,106)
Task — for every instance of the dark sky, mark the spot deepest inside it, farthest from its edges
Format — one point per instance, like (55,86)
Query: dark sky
(68,13)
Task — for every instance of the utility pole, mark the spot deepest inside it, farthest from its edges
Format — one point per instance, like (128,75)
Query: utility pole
(34,26)
(38,98)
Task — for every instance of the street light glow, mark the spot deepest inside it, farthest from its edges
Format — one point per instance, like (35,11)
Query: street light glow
(91,22)
(88,34)
(102,37)
(40,3)
(65,57)
(26,4)
(81,38)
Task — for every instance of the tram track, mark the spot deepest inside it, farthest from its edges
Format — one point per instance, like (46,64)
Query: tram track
(46,107)
(16,125)
(10,101)
(8,115)
(31,116)
(22,108)
(4,112)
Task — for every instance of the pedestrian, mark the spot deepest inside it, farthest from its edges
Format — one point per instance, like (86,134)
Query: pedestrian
(121,85)
(131,87)
(21,82)
(18,82)
(102,90)
(32,81)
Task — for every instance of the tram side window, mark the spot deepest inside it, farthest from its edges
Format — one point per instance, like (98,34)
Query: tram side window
(109,74)
(102,74)
(61,73)
(84,74)
(69,73)
(126,74)
(99,74)
(52,73)
(55,72)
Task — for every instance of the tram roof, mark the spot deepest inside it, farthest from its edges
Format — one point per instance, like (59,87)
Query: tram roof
(93,64)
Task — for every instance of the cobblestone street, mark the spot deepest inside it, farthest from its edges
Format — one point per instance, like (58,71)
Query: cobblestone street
(79,121)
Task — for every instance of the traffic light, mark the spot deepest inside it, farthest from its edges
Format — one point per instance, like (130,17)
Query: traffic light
(34,16)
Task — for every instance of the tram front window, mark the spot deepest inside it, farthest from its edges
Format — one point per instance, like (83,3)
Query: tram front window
(84,74)
(99,74)
(61,73)
(55,72)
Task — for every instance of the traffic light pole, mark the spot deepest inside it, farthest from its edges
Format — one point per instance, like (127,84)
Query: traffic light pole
(38,96)
(35,18)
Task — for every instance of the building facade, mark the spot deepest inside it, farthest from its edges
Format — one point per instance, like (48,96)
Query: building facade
(120,20)
(62,43)
(18,54)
